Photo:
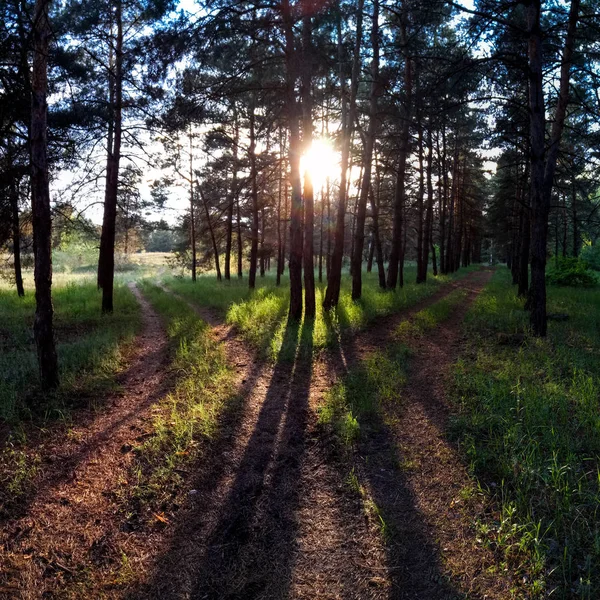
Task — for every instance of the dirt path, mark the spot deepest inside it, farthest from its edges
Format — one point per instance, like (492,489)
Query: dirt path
(270,516)
(415,476)
(269,513)
(70,525)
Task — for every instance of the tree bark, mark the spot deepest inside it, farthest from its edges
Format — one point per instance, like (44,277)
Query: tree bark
(212,233)
(307,133)
(41,218)
(332,294)
(106,261)
(232,197)
(397,253)
(296,246)
(254,196)
(192,217)
(361,212)
(16,237)
(543,165)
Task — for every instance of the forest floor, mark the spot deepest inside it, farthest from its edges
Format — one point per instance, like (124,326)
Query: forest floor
(274,504)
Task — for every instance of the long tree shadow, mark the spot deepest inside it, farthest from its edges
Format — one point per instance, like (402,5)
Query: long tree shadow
(241,543)
(414,564)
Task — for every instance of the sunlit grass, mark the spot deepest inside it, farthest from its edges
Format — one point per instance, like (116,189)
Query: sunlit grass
(189,413)
(529,426)
(260,316)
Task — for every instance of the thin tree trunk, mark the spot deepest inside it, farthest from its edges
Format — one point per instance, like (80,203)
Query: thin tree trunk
(377,237)
(240,242)
(296,237)
(334,281)
(361,212)
(41,219)
(254,196)
(397,253)
(16,237)
(106,261)
(421,241)
(192,216)
(280,251)
(307,134)
(212,233)
(428,235)
(321,236)
(232,197)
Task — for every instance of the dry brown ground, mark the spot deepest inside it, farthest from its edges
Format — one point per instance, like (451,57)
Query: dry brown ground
(268,513)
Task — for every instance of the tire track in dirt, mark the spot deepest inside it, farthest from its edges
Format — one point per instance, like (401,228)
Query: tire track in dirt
(270,517)
(416,477)
(72,518)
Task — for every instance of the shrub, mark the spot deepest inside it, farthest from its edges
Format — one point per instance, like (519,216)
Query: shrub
(591,256)
(570,271)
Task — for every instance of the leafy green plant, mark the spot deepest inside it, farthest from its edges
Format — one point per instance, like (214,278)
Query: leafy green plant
(570,271)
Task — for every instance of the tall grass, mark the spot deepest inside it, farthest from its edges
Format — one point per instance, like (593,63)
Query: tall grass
(529,424)
(89,344)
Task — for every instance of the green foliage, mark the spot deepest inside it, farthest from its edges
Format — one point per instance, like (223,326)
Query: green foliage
(590,254)
(570,271)
(529,426)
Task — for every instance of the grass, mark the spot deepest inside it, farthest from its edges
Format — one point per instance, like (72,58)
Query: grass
(261,315)
(379,378)
(89,345)
(184,417)
(529,424)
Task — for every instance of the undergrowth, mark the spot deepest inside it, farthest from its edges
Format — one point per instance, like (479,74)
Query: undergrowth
(183,418)
(260,316)
(529,425)
(89,347)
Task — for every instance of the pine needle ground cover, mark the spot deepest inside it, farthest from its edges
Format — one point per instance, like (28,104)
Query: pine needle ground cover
(529,425)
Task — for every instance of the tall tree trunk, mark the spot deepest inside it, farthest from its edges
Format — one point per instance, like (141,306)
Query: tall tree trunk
(397,253)
(106,261)
(321,236)
(428,235)
(232,196)
(192,216)
(377,236)
(280,251)
(16,237)
(296,246)
(332,294)
(361,212)
(421,241)
(254,196)
(213,239)
(307,135)
(41,217)
(328,259)
(240,242)
(543,165)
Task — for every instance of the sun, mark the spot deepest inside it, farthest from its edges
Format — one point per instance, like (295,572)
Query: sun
(321,161)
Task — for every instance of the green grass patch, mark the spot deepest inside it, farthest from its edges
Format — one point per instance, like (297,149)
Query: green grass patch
(429,318)
(529,424)
(89,346)
(350,403)
(187,415)
(261,315)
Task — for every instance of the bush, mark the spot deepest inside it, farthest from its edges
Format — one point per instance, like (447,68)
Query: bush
(591,256)
(570,271)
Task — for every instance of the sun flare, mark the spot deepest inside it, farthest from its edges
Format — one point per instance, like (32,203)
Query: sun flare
(321,161)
